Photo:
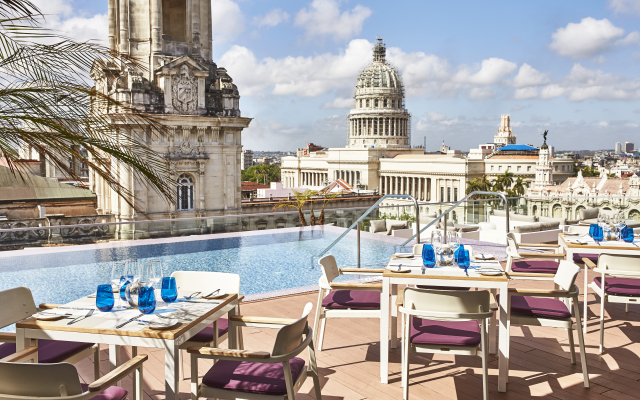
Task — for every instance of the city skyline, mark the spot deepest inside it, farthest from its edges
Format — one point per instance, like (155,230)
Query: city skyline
(563,67)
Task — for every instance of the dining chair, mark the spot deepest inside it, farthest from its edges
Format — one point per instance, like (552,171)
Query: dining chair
(259,375)
(445,322)
(527,265)
(541,307)
(578,257)
(17,305)
(344,300)
(620,278)
(26,381)
(207,282)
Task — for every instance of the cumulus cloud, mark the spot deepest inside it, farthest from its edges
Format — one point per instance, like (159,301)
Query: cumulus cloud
(526,93)
(271,19)
(323,17)
(433,116)
(625,6)
(589,38)
(529,76)
(227,20)
(492,71)
(59,15)
(339,103)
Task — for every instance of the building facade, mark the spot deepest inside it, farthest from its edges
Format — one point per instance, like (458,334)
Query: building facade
(247,159)
(194,99)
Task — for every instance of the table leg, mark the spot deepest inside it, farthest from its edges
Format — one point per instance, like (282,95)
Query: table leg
(233,333)
(114,358)
(585,299)
(394,317)
(493,334)
(172,370)
(384,331)
(503,359)
(22,343)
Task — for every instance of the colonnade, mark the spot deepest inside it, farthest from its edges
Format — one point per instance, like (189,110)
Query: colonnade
(351,177)
(418,187)
(313,178)
(369,126)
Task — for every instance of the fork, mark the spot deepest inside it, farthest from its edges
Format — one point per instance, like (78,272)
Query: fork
(192,295)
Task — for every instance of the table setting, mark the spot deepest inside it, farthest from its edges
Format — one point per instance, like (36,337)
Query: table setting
(609,231)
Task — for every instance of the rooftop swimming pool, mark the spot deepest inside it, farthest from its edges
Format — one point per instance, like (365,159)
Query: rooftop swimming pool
(266,261)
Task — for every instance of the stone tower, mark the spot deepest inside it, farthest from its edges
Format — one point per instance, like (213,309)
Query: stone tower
(194,98)
(379,119)
(504,136)
(544,170)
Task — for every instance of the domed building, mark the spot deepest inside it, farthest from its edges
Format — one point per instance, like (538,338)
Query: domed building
(379,119)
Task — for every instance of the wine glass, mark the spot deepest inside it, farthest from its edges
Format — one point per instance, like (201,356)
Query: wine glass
(154,271)
(119,280)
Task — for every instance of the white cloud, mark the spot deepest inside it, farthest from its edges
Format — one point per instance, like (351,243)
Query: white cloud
(625,6)
(526,93)
(227,20)
(585,39)
(59,15)
(339,103)
(272,18)
(603,124)
(481,93)
(492,71)
(528,76)
(433,116)
(632,38)
(323,17)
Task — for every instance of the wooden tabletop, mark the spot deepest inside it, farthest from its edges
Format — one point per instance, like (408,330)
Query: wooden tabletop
(33,323)
(393,274)
(621,246)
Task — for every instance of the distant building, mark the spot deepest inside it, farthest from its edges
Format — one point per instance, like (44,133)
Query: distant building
(618,148)
(250,189)
(629,147)
(311,148)
(247,159)
(504,136)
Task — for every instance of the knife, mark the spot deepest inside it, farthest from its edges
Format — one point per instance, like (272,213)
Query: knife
(212,293)
(80,318)
(131,320)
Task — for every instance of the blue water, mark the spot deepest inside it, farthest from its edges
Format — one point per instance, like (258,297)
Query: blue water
(266,262)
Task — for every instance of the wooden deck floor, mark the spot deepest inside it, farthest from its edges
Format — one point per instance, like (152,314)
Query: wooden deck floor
(349,367)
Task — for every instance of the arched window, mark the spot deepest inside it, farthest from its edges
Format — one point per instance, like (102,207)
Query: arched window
(185,192)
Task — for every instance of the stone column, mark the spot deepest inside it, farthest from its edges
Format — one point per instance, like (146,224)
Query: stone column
(201,171)
(401,185)
(124,26)
(209,33)
(195,27)
(419,188)
(111,15)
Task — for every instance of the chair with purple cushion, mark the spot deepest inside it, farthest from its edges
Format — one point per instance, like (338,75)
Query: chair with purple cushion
(18,304)
(259,375)
(619,282)
(445,321)
(344,300)
(206,282)
(532,266)
(541,307)
(578,258)
(26,381)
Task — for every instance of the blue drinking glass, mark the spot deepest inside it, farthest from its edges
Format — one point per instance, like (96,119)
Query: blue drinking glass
(146,300)
(124,281)
(169,291)
(598,234)
(428,256)
(627,234)
(463,258)
(104,298)
(457,251)
(592,229)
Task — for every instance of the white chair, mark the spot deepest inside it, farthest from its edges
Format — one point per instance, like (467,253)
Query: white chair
(17,304)
(206,282)
(259,375)
(344,300)
(526,265)
(446,322)
(27,381)
(540,307)
(619,282)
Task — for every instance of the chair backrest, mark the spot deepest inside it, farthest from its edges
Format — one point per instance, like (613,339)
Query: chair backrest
(15,305)
(207,281)
(619,262)
(417,248)
(512,245)
(581,229)
(289,337)
(447,304)
(330,270)
(566,274)
(39,380)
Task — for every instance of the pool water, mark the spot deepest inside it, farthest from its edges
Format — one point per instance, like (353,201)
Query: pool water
(265,262)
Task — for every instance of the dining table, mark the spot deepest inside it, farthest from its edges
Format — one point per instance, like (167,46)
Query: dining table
(584,244)
(412,272)
(128,327)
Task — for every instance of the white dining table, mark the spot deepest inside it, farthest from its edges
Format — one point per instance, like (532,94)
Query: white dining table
(102,328)
(583,244)
(451,276)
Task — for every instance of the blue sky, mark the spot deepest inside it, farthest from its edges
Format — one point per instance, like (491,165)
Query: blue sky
(566,66)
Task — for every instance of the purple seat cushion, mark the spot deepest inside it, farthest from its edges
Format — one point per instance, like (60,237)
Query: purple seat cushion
(442,287)
(251,377)
(577,257)
(111,393)
(354,299)
(49,351)
(542,307)
(535,266)
(447,333)
(620,286)
(206,335)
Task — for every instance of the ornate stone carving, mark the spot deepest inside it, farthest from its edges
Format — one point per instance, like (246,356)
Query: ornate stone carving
(185,91)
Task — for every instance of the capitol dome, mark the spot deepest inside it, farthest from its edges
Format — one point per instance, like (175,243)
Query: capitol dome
(379,119)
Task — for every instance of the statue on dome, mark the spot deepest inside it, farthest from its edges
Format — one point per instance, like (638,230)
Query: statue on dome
(544,135)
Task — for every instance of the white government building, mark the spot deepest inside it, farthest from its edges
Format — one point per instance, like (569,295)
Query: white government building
(379,155)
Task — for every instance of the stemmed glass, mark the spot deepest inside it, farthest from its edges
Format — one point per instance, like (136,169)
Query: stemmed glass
(119,279)
(154,271)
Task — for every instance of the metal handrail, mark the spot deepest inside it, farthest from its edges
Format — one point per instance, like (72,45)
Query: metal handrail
(418,230)
(373,207)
